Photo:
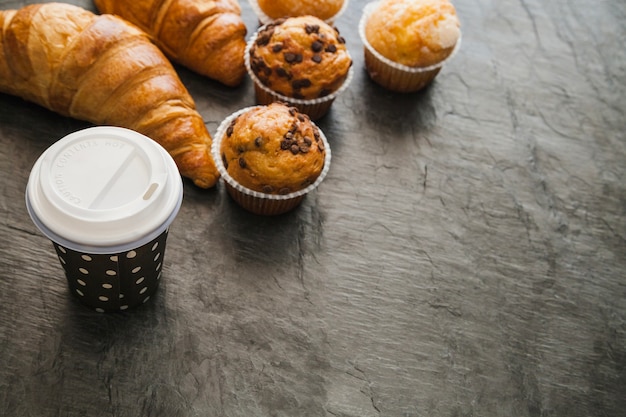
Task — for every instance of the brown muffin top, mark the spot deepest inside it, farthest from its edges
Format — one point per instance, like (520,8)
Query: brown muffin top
(413,33)
(300,57)
(324,9)
(273,149)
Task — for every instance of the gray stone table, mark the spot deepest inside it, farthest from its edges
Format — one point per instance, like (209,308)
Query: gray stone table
(466,255)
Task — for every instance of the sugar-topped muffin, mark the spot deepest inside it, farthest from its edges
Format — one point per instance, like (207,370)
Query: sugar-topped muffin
(324,9)
(415,33)
(273,149)
(407,42)
(300,57)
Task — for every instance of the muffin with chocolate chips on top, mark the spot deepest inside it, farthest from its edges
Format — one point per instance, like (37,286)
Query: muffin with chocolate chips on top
(302,61)
(270,157)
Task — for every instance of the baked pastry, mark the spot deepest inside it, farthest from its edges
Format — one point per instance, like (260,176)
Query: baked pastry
(301,60)
(407,41)
(273,153)
(106,71)
(276,9)
(273,149)
(300,57)
(415,33)
(206,36)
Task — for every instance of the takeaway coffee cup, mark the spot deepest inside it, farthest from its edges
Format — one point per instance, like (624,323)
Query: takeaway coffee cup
(105,197)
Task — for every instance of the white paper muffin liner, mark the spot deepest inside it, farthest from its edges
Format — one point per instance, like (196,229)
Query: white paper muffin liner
(392,75)
(314,108)
(254,201)
(264,19)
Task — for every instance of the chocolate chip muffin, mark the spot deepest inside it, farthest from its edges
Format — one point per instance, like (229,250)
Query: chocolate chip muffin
(324,9)
(300,57)
(273,149)
(300,60)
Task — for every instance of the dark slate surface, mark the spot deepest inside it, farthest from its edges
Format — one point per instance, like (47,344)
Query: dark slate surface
(466,255)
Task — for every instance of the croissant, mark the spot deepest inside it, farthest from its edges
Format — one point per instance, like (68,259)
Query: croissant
(206,36)
(106,71)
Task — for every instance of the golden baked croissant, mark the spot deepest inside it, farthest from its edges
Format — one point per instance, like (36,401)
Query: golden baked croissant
(206,36)
(106,71)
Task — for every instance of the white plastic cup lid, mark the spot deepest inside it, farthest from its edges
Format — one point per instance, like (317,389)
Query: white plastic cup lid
(104,190)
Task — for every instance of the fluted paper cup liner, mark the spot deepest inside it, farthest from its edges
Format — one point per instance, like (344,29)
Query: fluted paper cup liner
(392,75)
(105,197)
(254,201)
(314,108)
(264,18)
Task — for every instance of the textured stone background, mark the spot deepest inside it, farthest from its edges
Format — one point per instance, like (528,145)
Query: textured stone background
(466,255)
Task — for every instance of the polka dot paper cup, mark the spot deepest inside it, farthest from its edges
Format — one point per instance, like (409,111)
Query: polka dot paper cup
(392,75)
(106,197)
(254,201)
(114,282)
(314,108)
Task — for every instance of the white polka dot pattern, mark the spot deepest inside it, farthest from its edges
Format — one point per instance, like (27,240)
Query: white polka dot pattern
(114,282)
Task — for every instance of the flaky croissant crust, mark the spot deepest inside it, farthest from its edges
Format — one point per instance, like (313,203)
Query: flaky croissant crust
(207,36)
(106,71)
